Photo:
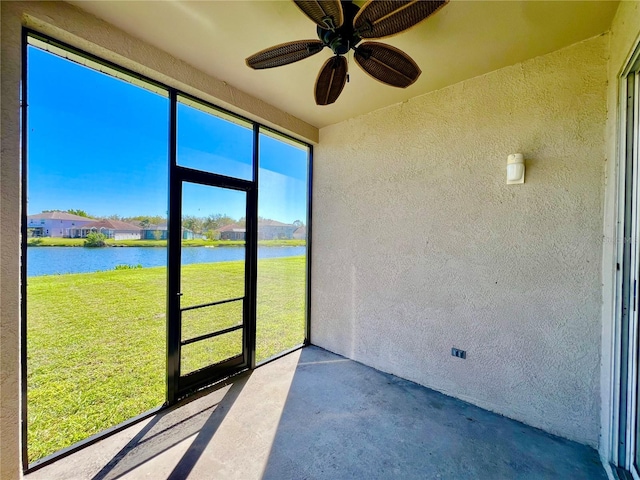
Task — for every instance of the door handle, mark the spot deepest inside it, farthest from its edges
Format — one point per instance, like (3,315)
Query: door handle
(179,294)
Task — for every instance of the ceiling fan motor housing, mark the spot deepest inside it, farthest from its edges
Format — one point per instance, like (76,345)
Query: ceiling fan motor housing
(344,38)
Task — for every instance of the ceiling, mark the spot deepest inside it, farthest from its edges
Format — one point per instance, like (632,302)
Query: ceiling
(463,40)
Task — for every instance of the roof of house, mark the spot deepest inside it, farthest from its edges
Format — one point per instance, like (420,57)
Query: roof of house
(234,227)
(273,223)
(300,230)
(112,225)
(153,226)
(162,226)
(58,216)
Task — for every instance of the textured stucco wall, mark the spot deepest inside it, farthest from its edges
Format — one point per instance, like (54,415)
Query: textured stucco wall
(420,246)
(624,37)
(9,248)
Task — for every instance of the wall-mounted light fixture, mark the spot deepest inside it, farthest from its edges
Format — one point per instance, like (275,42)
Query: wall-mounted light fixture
(515,169)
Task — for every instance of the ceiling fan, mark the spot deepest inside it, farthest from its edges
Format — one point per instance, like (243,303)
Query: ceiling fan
(341,26)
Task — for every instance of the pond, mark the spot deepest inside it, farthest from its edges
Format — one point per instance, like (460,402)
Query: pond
(60,260)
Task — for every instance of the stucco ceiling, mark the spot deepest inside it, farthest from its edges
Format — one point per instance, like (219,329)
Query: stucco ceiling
(463,40)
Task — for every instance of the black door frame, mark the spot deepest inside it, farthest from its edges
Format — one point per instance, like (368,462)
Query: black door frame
(179,386)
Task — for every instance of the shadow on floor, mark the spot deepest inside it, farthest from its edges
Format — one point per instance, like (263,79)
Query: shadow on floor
(170,427)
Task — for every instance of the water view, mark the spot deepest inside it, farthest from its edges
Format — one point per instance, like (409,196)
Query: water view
(61,260)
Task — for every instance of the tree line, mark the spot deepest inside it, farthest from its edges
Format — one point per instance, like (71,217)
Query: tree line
(199,225)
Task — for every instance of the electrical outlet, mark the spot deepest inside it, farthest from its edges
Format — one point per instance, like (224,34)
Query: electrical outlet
(459,353)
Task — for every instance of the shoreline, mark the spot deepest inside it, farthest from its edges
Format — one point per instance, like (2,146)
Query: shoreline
(139,267)
(79,242)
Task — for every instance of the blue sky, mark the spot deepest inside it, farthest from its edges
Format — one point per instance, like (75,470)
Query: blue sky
(100,144)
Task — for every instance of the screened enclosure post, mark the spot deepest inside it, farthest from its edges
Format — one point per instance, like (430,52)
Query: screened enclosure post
(252,249)
(173,248)
(23,254)
(307,336)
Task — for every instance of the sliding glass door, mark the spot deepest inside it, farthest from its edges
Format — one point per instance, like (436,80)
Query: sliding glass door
(633,263)
(627,447)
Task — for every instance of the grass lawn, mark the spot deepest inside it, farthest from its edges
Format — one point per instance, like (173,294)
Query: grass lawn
(79,242)
(96,341)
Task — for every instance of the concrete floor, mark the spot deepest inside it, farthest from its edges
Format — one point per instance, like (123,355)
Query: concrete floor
(316,415)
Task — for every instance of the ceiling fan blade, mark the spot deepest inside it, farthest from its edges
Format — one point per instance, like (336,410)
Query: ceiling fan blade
(387,64)
(326,14)
(284,54)
(382,18)
(331,80)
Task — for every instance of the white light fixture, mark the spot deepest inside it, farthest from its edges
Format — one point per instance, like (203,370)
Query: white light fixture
(515,169)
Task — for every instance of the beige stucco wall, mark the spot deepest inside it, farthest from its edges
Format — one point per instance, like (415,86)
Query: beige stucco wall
(420,246)
(9,249)
(624,37)
(71,25)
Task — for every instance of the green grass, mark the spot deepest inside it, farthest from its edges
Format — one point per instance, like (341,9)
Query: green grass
(79,242)
(55,242)
(96,341)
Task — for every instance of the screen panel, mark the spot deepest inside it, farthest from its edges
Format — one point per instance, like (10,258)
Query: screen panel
(282,245)
(97,168)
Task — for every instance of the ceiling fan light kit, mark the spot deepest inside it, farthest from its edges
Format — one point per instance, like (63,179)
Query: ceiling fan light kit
(341,25)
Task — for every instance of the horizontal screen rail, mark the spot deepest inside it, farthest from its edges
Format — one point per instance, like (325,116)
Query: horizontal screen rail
(211,335)
(202,177)
(212,304)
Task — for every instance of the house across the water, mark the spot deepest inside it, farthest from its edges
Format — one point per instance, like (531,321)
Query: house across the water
(160,232)
(54,224)
(300,233)
(267,230)
(233,232)
(114,229)
(274,230)
(155,232)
